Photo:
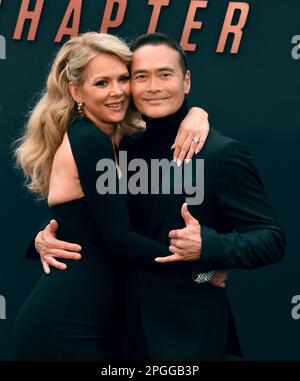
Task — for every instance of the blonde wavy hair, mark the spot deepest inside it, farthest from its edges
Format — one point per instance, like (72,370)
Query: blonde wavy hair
(50,118)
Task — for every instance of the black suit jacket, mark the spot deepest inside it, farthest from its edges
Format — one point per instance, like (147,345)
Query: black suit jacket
(183,320)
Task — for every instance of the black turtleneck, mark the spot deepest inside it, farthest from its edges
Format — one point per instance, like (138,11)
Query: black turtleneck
(163,131)
(156,143)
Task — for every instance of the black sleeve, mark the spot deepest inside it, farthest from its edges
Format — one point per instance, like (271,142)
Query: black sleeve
(93,154)
(126,143)
(257,238)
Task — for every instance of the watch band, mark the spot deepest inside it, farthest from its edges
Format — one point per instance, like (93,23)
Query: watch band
(203,277)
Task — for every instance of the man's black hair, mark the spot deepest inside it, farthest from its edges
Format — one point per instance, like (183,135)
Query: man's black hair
(161,39)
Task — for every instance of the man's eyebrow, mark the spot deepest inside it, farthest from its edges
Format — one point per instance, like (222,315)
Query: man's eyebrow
(139,71)
(166,68)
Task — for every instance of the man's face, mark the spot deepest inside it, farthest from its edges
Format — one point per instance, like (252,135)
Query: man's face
(158,85)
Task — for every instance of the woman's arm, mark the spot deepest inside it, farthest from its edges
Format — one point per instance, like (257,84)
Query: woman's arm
(92,151)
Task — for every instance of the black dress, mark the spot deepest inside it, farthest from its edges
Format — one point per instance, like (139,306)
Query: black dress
(75,314)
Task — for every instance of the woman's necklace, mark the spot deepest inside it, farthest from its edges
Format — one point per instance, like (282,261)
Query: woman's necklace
(119,173)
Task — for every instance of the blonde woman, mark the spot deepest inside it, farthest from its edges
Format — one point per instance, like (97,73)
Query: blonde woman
(81,118)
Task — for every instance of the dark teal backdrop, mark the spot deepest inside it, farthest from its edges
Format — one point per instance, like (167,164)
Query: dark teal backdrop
(252,96)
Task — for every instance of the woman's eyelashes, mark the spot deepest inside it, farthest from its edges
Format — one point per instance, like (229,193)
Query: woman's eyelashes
(101,83)
(104,82)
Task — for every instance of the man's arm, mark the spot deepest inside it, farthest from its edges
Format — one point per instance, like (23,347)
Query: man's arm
(257,238)
(188,241)
(49,248)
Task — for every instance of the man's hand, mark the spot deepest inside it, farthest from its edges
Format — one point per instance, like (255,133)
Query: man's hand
(194,125)
(219,278)
(50,248)
(185,243)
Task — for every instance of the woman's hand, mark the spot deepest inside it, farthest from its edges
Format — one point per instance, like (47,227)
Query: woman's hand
(191,135)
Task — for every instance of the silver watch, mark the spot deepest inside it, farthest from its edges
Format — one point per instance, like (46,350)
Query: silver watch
(203,277)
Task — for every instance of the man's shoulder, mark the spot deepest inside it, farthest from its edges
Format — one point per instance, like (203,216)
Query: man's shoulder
(216,140)
(217,144)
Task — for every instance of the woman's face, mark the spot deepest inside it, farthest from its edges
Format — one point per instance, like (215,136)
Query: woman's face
(106,90)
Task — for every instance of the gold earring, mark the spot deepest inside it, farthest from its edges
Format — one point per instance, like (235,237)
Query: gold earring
(79,108)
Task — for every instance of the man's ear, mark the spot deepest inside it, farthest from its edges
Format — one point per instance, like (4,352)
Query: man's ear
(187,82)
(75,92)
